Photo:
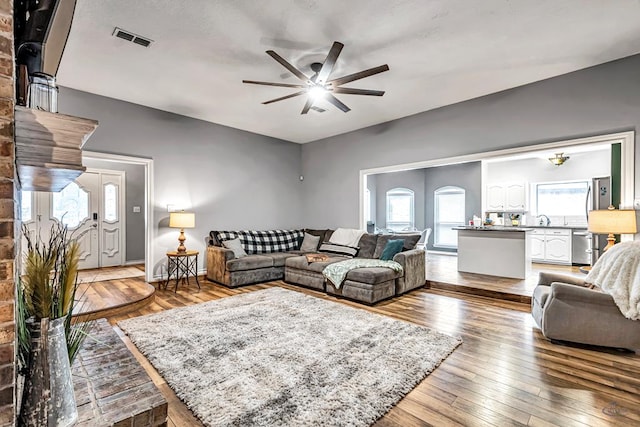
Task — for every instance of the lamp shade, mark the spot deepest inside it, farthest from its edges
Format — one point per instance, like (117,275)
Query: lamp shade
(182,220)
(613,221)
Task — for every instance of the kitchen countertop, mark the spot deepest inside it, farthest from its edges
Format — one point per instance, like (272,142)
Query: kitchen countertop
(492,228)
(573,227)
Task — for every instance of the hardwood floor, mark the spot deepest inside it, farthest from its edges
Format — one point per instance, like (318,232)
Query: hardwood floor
(505,372)
(442,273)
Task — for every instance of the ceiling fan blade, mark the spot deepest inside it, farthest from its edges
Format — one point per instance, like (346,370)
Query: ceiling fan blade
(307,105)
(335,101)
(288,66)
(254,82)
(359,75)
(282,98)
(329,62)
(351,91)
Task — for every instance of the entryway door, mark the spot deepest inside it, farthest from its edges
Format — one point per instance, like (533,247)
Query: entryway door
(92,208)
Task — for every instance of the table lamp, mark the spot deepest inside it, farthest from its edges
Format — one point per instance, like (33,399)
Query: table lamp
(612,221)
(182,220)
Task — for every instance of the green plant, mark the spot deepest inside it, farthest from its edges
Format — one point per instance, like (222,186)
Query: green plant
(47,289)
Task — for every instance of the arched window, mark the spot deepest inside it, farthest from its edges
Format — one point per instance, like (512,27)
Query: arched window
(400,209)
(449,213)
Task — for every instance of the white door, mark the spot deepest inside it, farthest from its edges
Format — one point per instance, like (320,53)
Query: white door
(92,209)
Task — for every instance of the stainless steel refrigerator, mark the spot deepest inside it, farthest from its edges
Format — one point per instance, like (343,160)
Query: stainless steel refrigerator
(599,197)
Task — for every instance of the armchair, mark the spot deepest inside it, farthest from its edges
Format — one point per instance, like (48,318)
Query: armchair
(566,309)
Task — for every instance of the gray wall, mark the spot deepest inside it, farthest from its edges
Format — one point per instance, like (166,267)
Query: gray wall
(231,179)
(466,176)
(598,100)
(134,196)
(413,180)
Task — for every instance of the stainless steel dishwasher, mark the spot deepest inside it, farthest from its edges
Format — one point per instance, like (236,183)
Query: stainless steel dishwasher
(581,241)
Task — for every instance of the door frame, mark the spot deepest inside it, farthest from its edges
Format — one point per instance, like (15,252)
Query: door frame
(627,184)
(148,198)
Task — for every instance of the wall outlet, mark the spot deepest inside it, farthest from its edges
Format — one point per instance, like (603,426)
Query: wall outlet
(636,204)
(136,209)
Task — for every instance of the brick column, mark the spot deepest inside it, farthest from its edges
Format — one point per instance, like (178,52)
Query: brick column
(8,228)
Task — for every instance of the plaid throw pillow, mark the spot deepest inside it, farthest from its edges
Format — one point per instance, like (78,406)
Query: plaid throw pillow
(260,242)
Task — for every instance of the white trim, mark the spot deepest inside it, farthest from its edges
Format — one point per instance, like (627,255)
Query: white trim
(148,195)
(134,262)
(626,139)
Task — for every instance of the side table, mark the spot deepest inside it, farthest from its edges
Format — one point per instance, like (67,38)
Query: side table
(181,265)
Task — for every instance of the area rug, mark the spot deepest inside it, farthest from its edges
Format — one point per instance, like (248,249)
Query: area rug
(282,358)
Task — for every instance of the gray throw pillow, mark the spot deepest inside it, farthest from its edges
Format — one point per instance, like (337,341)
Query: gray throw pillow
(310,243)
(236,247)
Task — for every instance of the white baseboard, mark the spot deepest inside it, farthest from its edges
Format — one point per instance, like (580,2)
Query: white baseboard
(442,253)
(135,262)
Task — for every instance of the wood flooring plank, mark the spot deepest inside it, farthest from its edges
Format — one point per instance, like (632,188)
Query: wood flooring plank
(504,373)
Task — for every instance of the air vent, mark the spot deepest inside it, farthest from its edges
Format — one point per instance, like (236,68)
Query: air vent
(130,37)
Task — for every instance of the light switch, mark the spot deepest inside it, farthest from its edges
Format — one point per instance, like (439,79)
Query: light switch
(136,209)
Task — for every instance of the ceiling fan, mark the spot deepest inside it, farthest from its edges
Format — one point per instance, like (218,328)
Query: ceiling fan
(320,86)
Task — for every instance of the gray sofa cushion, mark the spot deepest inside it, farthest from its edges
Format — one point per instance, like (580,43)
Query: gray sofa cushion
(249,262)
(372,275)
(410,241)
(367,245)
(236,247)
(310,243)
(279,257)
(300,262)
(319,233)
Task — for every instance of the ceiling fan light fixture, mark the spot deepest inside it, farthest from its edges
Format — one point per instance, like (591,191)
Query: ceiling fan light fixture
(558,159)
(321,85)
(317,92)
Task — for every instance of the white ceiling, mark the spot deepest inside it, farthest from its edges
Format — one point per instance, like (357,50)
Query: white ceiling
(439,52)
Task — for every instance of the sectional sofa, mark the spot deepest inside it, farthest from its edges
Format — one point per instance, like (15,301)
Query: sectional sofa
(276,255)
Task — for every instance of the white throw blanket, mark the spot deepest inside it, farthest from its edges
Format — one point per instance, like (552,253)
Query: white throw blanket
(617,272)
(337,271)
(346,236)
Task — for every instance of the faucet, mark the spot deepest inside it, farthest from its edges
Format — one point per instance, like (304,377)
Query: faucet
(548,221)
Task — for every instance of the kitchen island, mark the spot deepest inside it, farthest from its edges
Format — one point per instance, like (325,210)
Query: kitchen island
(494,250)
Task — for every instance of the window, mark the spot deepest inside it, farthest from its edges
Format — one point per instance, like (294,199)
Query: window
(562,198)
(110,203)
(449,213)
(400,209)
(71,205)
(26,206)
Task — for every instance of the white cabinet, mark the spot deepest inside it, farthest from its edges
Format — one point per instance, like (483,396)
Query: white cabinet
(495,197)
(515,196)
(510,197)
(537,245)
(552,245)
